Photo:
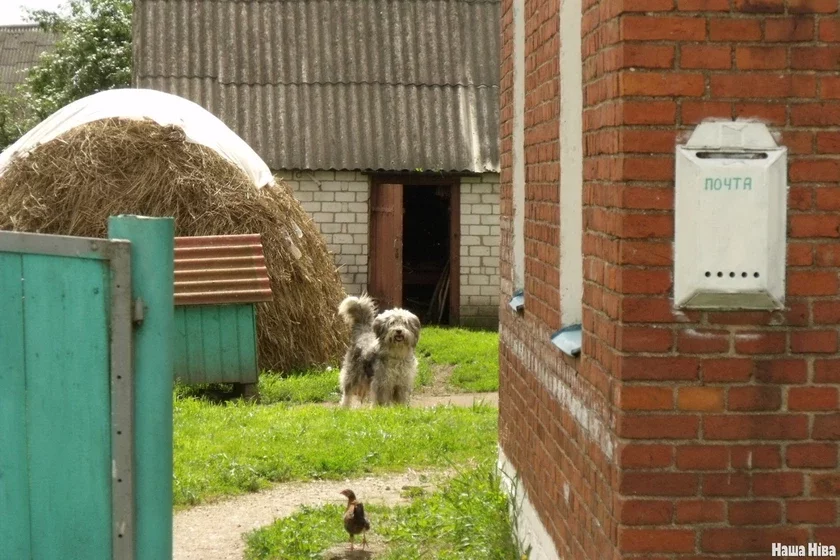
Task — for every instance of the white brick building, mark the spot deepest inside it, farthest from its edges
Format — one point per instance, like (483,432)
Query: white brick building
(382,116)
(338,202)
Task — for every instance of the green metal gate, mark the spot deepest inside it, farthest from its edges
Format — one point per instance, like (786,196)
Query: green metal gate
(69,404)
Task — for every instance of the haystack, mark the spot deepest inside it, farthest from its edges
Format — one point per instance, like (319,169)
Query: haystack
(72,184)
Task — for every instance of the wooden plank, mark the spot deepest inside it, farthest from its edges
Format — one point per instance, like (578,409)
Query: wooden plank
(386,233)
(181,363)
(14,471)
(68,406)
(55,245)
(211,332)
(247,331)
(195,346)
(455,254)
(232,366)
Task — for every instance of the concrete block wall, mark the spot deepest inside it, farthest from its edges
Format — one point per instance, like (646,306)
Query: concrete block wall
(480,251)
(338,203)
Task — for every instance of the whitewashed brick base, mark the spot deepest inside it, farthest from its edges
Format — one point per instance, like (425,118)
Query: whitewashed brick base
(338,203)
(529,529)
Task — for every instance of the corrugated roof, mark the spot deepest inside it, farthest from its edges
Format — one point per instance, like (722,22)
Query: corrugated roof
(20,47)
(335,84)
(219,269)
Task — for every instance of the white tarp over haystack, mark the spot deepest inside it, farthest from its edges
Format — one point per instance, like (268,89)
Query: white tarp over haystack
(199,125)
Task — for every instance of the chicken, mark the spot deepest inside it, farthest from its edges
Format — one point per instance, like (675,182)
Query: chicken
(354,518)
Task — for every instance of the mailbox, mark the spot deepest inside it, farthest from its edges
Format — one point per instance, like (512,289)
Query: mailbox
(730,218)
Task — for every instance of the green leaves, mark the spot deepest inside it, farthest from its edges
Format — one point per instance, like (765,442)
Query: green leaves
(92,55)
(15,120)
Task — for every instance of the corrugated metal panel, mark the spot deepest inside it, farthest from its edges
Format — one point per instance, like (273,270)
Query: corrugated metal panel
(20,47)
(335,84)
(219,269)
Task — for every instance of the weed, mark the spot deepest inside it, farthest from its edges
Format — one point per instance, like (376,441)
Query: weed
(474,355)
(313,386)
(240,447)
(468,351)
(468,519)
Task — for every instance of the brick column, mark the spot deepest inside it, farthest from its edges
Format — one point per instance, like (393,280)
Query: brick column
(727,422)
(555,419)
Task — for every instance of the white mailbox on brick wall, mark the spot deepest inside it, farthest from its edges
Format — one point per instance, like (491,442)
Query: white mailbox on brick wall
(730,218)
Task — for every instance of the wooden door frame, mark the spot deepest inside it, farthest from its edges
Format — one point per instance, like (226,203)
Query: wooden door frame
(454,183)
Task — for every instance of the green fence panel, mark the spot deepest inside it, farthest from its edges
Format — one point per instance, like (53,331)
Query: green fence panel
(55,407)
(85,397)
(68,400)
(216,344)
(246,319)
(14,485)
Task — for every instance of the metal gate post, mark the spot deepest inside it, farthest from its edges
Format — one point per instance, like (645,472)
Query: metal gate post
(152,277)
(122,404)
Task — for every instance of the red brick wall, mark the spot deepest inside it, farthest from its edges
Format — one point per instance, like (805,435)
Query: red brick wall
(554,422)
(542,161)
(725,425)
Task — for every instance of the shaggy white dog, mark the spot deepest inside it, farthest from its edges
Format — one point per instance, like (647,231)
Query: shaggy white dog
(380,360)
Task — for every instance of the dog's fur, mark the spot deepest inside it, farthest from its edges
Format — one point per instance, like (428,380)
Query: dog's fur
(380,360)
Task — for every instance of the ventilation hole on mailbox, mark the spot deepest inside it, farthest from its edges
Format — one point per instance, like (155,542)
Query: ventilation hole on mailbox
(743,275)
(720,274)
(708,274)
(732,275)
(756,274)
(119,480)
(119,432)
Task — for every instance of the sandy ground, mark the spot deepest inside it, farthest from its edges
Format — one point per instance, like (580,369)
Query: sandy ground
(215,531)
(458,399)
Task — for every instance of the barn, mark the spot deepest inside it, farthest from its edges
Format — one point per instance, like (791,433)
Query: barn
(381,116)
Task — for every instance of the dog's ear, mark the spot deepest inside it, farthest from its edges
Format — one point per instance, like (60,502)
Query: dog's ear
(414,325)
(380,329)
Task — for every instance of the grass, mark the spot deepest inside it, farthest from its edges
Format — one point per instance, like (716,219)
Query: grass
(474,355)
(468,519)
(239,447)
(319,385)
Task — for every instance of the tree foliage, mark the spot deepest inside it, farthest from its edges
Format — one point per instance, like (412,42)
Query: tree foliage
(92,54)
(15,120)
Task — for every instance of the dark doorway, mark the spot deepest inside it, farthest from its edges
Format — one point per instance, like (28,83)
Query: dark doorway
(415,226)
(426,251)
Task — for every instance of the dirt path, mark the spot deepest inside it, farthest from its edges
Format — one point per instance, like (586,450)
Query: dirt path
(215,531)
(422,400)
(457,399)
